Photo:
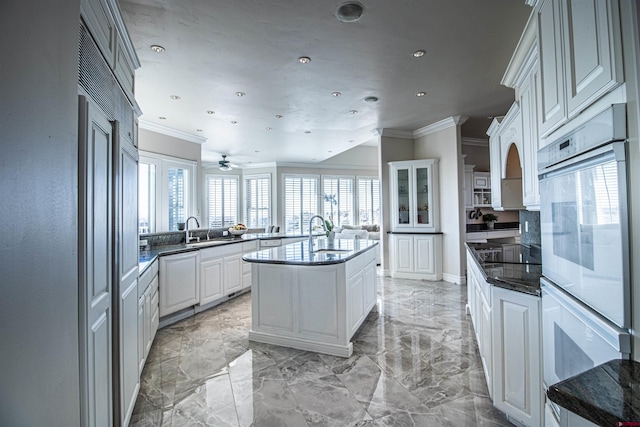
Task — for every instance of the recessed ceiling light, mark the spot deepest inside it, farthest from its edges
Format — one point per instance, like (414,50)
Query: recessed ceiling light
(371,99)
(350,11)
(269,128)
(210,112)
(351,140)
(307,131)
(256,151)
(240,94)
(157,48)
(419,53)
(353,111)
(174,97)
(233,122)
(162,118)
(278,116)
(330,151)
(304,59)
(198,130)
(336,94)
(420,94)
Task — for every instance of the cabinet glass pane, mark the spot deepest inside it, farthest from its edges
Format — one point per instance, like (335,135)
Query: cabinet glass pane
(403,196)
(422,195)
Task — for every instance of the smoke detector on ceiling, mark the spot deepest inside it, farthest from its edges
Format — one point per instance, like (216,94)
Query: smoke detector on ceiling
(350,11)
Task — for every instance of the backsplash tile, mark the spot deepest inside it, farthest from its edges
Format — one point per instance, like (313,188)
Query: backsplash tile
(530,235)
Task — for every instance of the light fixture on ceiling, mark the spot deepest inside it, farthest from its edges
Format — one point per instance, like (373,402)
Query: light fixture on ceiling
(371,99)
(278,116)
(210,112)
(421,94)
(157,48)
(174,97)
(304,59)
(353,111)
(335,94)
(198,130)
(350,11)
(223,164)
(233,122)
(419,53)
(307,131)
(162,118)
(240,94)
(269,128)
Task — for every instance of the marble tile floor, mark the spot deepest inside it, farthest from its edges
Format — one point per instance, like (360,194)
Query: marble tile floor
(415,363)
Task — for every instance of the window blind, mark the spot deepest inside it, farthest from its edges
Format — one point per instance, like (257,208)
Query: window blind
(257,191)
(300,202)
(338,199)
(369,200)
(222,201)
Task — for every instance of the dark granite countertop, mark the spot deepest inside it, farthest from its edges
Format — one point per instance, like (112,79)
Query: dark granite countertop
(299,254)
(146,257)
(606,395)
(521,274)
(498,226)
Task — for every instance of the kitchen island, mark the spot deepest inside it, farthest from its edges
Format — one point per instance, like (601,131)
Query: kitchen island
(315,299)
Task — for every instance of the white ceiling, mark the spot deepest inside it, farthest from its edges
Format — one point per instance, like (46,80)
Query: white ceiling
(215,48)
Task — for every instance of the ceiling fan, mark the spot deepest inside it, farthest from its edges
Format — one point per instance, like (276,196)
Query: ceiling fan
(225,165)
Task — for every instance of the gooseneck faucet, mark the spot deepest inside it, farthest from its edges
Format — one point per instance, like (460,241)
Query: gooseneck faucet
(311,227)
(187,238)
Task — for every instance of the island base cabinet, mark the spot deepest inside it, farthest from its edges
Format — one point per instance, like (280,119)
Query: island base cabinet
(314,308)
(517,372)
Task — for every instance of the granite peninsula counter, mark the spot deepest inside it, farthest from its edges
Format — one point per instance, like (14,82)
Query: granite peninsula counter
(312,300)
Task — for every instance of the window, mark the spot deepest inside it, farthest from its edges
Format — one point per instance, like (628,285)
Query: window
(166,192)
(222,201)
(300,201)
(257,201)
(368,200)
(338,200)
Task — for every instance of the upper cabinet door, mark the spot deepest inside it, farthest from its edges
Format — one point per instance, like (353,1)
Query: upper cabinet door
(592,51)
(552,94)
(414,195)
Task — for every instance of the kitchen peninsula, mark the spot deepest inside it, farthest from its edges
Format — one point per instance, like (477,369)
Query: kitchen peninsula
(312,299)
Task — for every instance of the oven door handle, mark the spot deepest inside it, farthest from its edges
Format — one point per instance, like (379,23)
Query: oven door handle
(604,154)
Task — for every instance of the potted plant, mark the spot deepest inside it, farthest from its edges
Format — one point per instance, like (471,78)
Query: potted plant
(490,219)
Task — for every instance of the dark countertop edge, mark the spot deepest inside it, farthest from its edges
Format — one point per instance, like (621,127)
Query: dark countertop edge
(506,283)
(346,258)
(415,232)
(589,404)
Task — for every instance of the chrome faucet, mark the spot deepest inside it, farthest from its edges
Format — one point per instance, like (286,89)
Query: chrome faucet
(310,229)
(187,238)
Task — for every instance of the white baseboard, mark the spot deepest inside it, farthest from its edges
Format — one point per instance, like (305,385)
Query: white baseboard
(458,280)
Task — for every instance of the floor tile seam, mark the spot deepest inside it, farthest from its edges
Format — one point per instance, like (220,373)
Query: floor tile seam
(233,396)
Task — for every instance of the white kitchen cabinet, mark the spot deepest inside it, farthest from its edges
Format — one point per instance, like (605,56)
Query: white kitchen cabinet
(416,256)
(246,267)
(528,95)
(148,312)
(211,280)
(479,300)
(414,195)
(580,57)
(517,374)
(179,284)
(232,266)
(101,23)
(506,192)
(468,187)
(482,180)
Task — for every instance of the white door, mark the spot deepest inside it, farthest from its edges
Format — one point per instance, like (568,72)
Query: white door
(95,234)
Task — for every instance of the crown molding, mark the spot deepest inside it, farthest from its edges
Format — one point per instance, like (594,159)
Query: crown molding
(495,124)
(441,125)
(523,50)
(476,142)
(166,130)
(393,133)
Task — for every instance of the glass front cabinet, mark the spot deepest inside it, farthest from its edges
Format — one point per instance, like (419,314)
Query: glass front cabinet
(414,195)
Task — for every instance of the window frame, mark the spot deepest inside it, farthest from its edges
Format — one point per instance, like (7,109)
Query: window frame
(336,220)
(246,203)
(300,176)
(372,179)
(236,178)
(162,164)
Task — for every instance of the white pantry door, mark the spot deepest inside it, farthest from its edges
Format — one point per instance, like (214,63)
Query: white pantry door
(95,262)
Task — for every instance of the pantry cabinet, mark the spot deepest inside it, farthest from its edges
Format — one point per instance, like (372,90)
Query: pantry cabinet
(414,195)
(580,56)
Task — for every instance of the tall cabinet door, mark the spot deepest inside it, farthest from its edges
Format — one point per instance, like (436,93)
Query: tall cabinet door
(126,174)
(96,263)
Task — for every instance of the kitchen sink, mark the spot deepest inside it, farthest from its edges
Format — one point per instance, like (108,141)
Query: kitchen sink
(206,243)
(332,251)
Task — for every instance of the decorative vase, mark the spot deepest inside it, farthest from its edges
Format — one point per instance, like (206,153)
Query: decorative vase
(490,225)
(331,238)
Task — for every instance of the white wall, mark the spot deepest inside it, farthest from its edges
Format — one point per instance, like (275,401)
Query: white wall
(390,149)
(39,367)
(445,145)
